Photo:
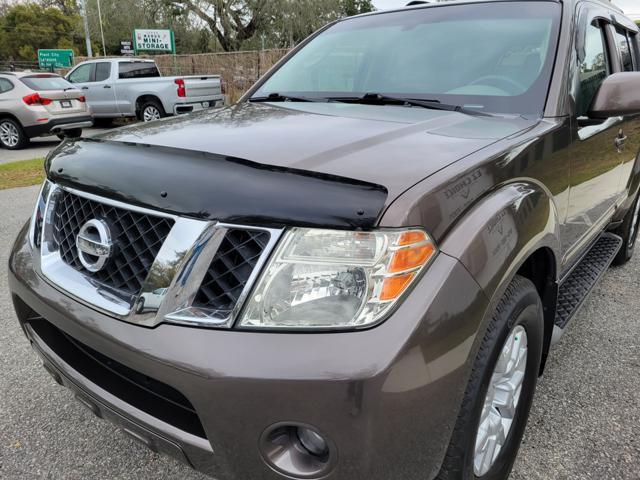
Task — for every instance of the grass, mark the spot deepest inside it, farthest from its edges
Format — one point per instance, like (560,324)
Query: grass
(21,174)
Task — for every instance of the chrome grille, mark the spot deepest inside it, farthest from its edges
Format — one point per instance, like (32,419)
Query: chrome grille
(231,269)
(138,238)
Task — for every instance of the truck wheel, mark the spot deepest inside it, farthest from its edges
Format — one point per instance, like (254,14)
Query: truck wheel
(496,404)
(12,135)
(151,110)
(629,233)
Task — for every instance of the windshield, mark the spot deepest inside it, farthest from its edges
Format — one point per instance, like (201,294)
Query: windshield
(46,82)
(489,57)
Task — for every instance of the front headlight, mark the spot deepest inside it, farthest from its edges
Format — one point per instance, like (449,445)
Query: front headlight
(329,279)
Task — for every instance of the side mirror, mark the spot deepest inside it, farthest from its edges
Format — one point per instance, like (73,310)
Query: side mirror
(619,95)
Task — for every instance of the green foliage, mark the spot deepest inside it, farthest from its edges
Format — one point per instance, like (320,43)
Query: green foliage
(355,7)
(121,17)
(252,24)
(25,28)
(199,25)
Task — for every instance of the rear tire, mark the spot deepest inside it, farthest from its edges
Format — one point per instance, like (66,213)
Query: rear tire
(629,233)
(12,135)
(150,111)
(517,322)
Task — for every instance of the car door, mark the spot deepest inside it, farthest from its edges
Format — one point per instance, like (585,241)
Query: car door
(95,81)
(597,146)
(103,91)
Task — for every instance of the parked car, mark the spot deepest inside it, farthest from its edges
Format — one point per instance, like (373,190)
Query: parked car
(134,88)
(36,104)
(366,261)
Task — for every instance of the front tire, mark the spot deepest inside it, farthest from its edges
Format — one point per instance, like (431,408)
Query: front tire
(150,111)
(12,135)
(629,233)
(496,404)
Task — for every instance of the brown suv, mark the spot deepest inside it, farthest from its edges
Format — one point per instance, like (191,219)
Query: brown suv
(359,270)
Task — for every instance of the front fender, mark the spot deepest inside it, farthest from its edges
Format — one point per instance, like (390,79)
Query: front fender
(496,237)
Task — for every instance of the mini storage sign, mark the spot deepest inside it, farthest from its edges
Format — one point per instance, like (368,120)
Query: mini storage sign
(154,40)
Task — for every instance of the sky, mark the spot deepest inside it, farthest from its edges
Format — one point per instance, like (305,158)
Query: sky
(631,7)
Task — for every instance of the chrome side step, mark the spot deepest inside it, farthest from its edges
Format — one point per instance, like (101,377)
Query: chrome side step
(579,284)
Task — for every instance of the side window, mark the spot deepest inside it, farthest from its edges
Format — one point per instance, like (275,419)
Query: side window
(103,71)
(5,85)
(594,67)
(82,74)
(138,70)
(624,47)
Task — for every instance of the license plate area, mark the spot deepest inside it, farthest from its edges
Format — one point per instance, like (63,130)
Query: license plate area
(66,103)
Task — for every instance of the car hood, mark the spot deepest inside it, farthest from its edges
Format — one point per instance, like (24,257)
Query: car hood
(378,152)
(387,145)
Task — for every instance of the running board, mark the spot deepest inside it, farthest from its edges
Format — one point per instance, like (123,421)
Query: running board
(578,285)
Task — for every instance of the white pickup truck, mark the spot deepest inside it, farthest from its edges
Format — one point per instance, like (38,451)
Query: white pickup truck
(132,87)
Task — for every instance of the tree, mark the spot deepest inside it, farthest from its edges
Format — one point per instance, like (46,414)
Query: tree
(25,28)
(356,7)
(238,24)
(231,22)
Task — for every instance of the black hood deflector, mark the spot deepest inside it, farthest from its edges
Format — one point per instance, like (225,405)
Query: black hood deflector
(215,187)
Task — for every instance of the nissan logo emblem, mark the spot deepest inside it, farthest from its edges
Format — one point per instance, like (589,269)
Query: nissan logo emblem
(94,245)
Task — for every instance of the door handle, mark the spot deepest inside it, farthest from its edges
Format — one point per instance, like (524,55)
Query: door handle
(107,86)
(85,88)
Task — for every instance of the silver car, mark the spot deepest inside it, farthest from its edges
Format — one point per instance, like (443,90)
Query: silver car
(36,104)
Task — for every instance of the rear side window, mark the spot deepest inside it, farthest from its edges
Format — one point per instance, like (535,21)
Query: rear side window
(45,82)
(82,74)
(624,47)
(103,71)
(594,67)
(138,70)
(5,85)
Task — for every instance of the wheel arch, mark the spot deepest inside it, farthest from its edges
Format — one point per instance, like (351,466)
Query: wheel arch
(11,116)
(513,231)
(632,187)
(147,97)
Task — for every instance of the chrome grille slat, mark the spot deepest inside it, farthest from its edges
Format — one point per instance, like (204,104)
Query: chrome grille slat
(231,269)
(138,237)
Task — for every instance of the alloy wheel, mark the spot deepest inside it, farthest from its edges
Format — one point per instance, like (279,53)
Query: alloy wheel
(9,134)
(501,402)
(150,114)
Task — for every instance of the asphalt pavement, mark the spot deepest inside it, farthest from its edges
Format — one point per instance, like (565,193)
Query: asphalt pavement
(39,147)
(584,424)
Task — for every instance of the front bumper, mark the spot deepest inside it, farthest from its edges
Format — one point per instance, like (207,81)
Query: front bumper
(387,398)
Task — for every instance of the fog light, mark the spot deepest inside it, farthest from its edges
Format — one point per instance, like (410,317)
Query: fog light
(312,442)
(298,451)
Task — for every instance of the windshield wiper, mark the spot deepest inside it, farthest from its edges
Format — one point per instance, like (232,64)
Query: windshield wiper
(380,99)
(278,97)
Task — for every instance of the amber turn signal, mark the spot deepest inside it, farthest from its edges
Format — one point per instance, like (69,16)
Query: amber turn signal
(414,249)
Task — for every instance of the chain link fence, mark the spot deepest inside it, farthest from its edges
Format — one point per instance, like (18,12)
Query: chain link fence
(20,66)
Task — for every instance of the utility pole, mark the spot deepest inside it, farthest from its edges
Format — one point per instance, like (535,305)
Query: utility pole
(104,47)
(86,27)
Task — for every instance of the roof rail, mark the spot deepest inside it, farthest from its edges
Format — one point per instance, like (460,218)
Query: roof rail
(416,2)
